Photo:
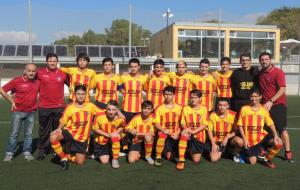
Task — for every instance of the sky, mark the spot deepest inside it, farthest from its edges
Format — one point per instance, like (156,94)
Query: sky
(55,19)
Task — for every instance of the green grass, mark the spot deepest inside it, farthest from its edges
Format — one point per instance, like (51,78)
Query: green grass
(20,174)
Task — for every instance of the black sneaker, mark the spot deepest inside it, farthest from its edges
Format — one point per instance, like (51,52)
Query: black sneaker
(41,156)
(64,165)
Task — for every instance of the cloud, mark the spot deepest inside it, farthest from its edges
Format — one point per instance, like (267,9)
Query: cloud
(15,37)
(64,34)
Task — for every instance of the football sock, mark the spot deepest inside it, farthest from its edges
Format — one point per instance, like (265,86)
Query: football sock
(148,149)
(160,144)
(56,146)
(115,147)
(182,147)
(273,151)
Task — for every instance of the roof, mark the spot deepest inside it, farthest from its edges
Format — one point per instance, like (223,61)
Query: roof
(225,25)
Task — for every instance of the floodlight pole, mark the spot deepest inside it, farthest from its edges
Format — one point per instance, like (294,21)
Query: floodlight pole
(129,33)
(219,44)
(299,72)
(168,15)
(29,33)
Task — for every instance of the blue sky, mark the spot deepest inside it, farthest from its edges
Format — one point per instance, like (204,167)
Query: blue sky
(54,19)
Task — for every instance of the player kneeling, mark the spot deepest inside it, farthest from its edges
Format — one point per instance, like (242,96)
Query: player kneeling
(74,129)
(251,122)
(221,131)
(107,129)
(141,127)
(194,123)
(167,119)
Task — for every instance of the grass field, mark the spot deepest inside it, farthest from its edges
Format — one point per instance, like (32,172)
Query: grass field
(20,174)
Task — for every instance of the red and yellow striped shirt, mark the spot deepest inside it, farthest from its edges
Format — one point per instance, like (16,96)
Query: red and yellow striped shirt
(168,118)
(221,126)
(78,77)
(141,126)
(195,118)
(253,123)
(106,87)
(223,84)
(183,87)
(207,85)
(101,122)
(154,88)
(133,88)
(78,121)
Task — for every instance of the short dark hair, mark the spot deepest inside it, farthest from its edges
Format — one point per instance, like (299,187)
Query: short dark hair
(83,56)
(245,55)
(222,99)
(265,53)
(197,92)
(159,62)
(147,103)
(169,88)
(205,61)
(256,91)
(51,55)
(133,60)
(107,59)
(80,87)
(113,103)
(225,59)
(181,61)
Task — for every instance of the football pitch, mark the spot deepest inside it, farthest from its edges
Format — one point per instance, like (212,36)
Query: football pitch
(46,174)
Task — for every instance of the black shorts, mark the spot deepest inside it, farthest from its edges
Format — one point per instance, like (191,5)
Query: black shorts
(237,104)
(222,149)
(139,147)
(101,150)
(71,145)
(171,145)
(256,149)
(279,115)
(100,105)
(128,115)
(197,147)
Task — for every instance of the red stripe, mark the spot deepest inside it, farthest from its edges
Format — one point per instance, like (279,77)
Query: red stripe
(129,103)
(250,123)
(208,96)
(185,94)
(103,98)
(77,123)
(113,86)
(177,85)
(125,97)
(138,99)
(160,95)
(218,129)
(77,80)
(153,86)
(259,137)
(99,91)
(86,80)
(167,116)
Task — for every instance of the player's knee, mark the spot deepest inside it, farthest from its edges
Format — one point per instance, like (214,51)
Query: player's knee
(214,158)
(148,138)
(132,159)
(80,161)
(104,160)
(252,160)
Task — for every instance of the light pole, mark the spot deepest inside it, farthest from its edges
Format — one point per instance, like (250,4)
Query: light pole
(29,33)
(167,15)
(144,40)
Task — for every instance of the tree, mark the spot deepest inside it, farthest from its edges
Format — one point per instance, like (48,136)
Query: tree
(287,19)
(117,34)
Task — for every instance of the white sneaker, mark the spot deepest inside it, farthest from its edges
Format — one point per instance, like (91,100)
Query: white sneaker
(236,158)
(121,154)
(115,164)
(28,156)
(8,157)
(149,160)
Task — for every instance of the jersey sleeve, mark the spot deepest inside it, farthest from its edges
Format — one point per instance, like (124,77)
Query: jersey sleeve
(182,120)
(65,70)
(9,86)
(93,83)
(66,116)
(97,123)
(211,123)
(280,79)
(157,116)
(268,119)
(205,118)
(240,118)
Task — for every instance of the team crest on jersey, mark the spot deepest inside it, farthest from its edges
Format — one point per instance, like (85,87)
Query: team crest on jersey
(58,79)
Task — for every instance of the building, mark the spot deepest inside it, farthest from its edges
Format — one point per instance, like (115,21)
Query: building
(193,40)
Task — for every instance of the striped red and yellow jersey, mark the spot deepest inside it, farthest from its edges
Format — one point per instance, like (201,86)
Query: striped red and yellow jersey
(142,126)
(195,118)
(101,122)
(223,84)
(221,126)
(253,123)
(106,87)
(207,85)
(168,118)
(78,77)
(154,88)
(132,94)
(183,87)
(78,120)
